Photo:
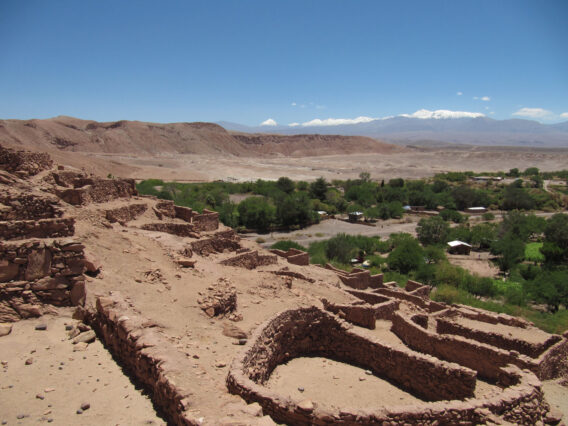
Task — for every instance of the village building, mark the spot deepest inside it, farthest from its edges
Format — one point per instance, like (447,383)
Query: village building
(459,247)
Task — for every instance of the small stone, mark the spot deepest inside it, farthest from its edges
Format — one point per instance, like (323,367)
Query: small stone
(40,396)
(361,379)
(5,329)
(41,327)
(47,390)
(21,416)
(81,346)
(220,364)
(79,411)
(85,406)
(29,361)
(68,327)
(306,405)
(242,341)
(85,337)
(301,389)
(368,372)
(83,327)
(195,356)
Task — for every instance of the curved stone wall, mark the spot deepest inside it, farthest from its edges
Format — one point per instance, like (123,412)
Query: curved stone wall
(311,331)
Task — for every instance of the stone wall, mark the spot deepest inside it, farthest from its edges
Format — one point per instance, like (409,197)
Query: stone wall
(362,315)
(313,332)
(18,206)
(358,278)
(486,316)
(184,213)
(165,208)
(383,307)
(126,213)
(553,363)
(532,349)
(250,260)
(24,163)
(146,354)
(294,256)
(417,289)
(419,301)
(215,244)
(371,298)
(486,360)
(95,190)
(207,221)
(180,229)
(306,332)
(40,272)
(44,228)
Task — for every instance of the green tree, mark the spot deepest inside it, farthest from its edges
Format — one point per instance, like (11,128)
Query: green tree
(433,230)
(555,247)
(294,209)
(407,256)
(510,249)
(285,185)
(483,235)
(341,248)
(318,188)
(256,213)
(550,287)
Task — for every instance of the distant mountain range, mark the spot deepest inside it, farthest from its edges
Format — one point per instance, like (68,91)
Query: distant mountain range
(434,131)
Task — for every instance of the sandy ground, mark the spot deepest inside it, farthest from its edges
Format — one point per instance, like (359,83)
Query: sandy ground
(476,263)
(411,164)
(58,380)
(331,227)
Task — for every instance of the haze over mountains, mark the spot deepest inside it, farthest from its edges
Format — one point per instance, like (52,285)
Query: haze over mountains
(411,130)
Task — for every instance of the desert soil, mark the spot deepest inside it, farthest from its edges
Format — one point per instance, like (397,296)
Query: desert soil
(59,380)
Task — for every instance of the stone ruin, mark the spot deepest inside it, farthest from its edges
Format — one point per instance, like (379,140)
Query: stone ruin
(24,163)
(440,362)
(357,278)
(445,349)
(250,260)
(79,189)
(294,256)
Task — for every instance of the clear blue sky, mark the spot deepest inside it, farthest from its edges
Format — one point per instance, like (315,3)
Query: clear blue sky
(292,61)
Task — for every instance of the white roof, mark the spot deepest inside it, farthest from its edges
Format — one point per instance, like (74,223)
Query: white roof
(322,212)
(456,243)
(476,208)
(357,213)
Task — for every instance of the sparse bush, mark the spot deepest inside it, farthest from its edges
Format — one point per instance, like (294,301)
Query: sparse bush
(286,245)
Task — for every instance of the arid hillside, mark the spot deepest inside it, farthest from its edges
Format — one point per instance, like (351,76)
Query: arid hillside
(141,138)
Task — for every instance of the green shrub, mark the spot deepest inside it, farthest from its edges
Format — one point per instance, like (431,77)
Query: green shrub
(286,245)
(446,294)
(532,252)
